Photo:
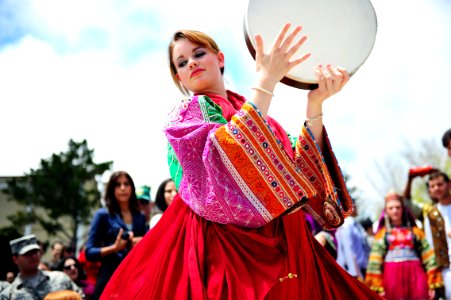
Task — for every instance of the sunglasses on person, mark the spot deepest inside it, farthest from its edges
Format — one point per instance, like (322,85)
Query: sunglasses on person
(69,267)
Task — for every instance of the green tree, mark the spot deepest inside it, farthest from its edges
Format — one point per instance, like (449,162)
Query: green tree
(64,186)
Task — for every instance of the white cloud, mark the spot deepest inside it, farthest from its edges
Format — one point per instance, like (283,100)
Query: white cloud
(119,110)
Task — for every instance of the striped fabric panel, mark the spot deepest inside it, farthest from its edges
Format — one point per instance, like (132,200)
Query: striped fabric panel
(341,193)
(280,152)
(261,162)
(307,157)
(310,160)
(373,277)
(229,143)
(324,173)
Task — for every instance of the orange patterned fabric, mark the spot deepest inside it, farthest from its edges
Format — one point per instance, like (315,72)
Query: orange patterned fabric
(324,173)
(265,168)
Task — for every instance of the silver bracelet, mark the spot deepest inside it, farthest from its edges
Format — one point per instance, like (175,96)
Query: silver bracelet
(312,120)
(262,90)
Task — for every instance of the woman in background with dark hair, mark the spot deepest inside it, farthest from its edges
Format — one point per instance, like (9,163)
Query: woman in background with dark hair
(115,229)
(72,268)
(165,194)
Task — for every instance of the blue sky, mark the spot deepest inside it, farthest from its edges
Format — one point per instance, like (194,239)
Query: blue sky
(97,70)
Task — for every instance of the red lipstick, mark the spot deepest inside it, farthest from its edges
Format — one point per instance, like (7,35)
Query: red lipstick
(196,72)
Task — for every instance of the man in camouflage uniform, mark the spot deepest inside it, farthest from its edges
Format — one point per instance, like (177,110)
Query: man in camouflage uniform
(3,285)
(32,283)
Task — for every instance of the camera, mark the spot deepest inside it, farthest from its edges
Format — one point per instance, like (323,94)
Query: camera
(125,235)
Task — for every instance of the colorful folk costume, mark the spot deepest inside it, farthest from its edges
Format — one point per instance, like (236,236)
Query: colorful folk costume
(402,264)
(225,235)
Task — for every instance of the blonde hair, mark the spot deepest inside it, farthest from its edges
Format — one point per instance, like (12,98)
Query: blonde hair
(63,295)
(195,37)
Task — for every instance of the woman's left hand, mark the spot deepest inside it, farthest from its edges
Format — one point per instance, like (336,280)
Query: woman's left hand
(330,81)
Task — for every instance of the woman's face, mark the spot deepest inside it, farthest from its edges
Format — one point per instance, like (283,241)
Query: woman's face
(169,192)
(123,189)
(393,208)
(70,268)
(198,68)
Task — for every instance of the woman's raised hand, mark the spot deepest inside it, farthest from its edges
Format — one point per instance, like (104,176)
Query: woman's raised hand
(120,243)
(330,81)
(273,66)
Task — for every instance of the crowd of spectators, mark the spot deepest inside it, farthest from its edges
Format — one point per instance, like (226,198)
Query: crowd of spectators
(405,254)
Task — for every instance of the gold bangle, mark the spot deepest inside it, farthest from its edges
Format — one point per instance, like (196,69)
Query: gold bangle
(262,90)
(312,120)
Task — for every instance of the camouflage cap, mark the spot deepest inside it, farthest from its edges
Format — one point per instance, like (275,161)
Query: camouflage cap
(143,192)
(24,244)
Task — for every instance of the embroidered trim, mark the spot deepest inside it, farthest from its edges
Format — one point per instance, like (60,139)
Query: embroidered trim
(175,114)
(240,182)
(317,217)
(288,276)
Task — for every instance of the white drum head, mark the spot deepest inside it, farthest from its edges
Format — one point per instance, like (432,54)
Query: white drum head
(341,33)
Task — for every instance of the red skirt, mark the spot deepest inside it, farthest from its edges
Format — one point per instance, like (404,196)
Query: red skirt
(187,257)
(405,280)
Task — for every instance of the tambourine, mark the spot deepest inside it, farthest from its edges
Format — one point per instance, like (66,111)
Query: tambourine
(341,33)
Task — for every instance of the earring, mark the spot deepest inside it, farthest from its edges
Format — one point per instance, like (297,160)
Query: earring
(387,223)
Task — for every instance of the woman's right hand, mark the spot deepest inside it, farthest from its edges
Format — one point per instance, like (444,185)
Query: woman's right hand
(273,66)
(120,244)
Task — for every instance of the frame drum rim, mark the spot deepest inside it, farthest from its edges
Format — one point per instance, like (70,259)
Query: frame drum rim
(303,83)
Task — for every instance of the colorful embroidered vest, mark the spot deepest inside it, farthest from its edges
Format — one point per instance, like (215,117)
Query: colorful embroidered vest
(438,235)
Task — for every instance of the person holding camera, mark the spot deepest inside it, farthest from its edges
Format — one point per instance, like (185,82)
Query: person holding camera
(116,229)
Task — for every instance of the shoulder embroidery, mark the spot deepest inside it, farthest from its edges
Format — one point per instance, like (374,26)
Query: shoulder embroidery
(175,114)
